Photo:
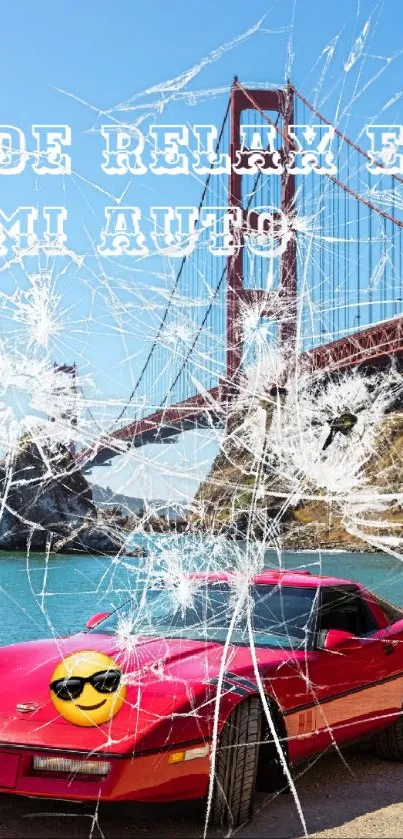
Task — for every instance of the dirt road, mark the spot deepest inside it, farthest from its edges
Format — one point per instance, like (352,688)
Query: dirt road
(362,798)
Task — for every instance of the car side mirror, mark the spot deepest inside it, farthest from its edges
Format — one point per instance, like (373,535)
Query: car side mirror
(96,619)
(336,639)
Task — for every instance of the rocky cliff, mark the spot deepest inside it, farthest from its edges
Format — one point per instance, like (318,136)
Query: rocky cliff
(46,503)
(259,488)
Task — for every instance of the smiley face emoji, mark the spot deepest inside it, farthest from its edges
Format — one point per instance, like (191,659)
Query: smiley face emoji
(87,688)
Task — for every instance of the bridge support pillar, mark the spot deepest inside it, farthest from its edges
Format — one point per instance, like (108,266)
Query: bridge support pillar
(282,102)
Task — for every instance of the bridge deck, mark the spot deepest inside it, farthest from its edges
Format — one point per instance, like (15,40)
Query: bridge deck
(381,341)
(162,426)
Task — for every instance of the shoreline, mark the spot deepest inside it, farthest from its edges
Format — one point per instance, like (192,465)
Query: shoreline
(142,552)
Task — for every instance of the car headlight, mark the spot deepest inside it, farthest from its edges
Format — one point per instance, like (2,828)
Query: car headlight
(69,766)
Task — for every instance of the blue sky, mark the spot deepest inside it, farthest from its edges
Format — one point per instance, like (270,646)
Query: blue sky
(102,56)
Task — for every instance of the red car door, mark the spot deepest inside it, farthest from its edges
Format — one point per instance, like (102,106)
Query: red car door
(353,690)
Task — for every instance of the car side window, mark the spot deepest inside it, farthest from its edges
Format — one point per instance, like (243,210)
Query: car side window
(392,613)
(346,610)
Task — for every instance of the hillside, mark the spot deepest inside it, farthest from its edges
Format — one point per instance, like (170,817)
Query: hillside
(275,482)
(105,497)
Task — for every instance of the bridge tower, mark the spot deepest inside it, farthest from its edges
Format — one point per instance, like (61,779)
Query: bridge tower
(285,315)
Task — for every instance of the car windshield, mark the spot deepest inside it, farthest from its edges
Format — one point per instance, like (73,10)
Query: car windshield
(280,615)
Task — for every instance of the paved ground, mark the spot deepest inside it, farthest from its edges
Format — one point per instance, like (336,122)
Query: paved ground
(360,800)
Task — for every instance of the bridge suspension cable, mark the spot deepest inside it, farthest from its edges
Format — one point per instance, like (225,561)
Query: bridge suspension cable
(341,135)
(195,340)
(177,279)
(346,188)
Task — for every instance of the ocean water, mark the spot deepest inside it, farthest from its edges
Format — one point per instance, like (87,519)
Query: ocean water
(40,598)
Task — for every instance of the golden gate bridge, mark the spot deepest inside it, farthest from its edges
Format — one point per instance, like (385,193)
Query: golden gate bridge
(333,299)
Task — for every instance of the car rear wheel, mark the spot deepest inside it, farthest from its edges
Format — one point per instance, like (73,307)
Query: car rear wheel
(236,765)
(389,742)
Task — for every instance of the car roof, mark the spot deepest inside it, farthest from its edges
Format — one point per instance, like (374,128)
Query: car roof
(287,577)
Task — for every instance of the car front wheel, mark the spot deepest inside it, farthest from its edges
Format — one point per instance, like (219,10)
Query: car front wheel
(389,742)
(236,765)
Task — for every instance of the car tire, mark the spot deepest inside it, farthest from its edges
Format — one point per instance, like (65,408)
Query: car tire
(389,742)
(236,765)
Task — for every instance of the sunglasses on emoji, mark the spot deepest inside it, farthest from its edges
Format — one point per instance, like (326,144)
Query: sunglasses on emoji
(105,681)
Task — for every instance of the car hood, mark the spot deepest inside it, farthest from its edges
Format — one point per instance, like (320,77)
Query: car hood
(165,678)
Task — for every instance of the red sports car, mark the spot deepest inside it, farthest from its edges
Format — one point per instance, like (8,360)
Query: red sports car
(207,687)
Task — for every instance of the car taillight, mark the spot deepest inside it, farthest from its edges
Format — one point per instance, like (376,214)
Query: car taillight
(67,765)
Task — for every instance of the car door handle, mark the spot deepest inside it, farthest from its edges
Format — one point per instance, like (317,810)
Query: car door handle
(388,649)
